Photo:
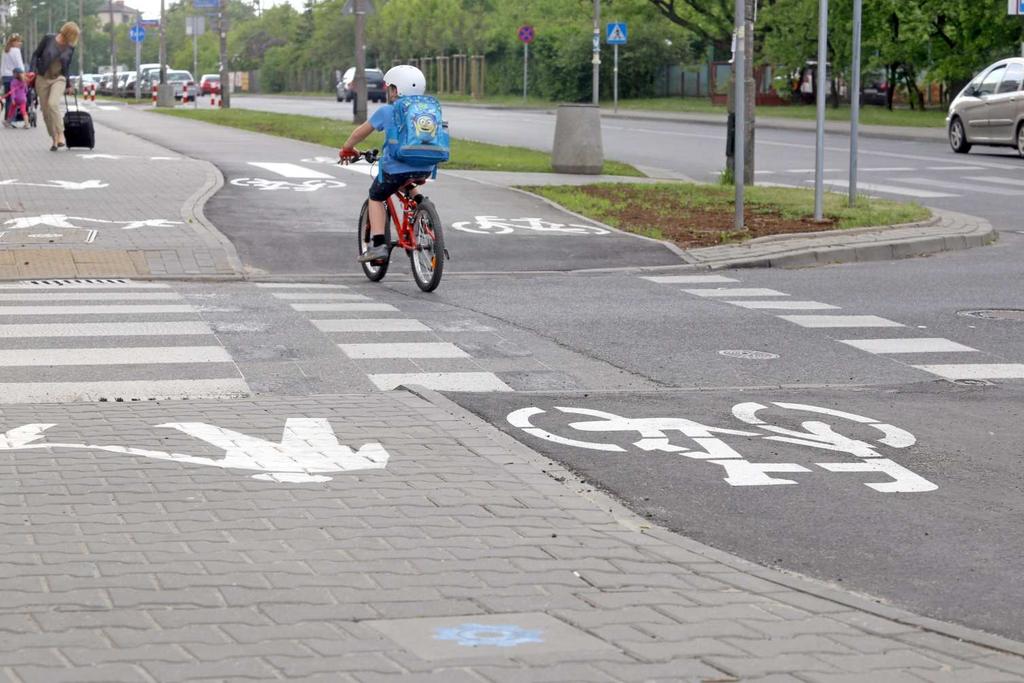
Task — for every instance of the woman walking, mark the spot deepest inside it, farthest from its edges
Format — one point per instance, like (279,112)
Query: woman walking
(10,61)
(51,62)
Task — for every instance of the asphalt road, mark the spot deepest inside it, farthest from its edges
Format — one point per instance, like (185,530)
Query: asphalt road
(622,343)
(987,182)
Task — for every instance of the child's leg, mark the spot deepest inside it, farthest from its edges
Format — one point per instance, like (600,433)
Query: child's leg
(378,216)
(24,114)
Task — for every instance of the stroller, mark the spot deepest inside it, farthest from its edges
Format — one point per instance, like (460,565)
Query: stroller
(31,102)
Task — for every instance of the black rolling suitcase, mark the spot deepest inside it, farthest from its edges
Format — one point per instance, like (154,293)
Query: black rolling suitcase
(78,130)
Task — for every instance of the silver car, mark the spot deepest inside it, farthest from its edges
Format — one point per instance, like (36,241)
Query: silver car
(990,110)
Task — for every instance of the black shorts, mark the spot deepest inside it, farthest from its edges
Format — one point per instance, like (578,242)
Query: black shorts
(382,189)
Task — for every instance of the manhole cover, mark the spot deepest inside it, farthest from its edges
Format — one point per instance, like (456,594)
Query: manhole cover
(748,355)
(996,314)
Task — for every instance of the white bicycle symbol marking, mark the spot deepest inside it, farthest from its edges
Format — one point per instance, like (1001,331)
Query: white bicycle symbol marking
(304,186)
(707,446)
(492,225)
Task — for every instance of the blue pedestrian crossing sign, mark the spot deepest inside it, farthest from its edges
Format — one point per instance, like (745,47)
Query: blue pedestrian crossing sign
(137,33)
(615,34)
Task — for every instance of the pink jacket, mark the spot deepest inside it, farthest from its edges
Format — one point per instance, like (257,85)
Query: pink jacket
(19,91)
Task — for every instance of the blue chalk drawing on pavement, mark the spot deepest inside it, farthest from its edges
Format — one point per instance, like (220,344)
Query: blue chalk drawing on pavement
(496,635)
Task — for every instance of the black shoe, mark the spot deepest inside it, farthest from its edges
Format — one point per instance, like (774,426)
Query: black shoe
(53,148)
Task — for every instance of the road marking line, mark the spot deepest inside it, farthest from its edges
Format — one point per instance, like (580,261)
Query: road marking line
(155,329)
(403,350)
(296,285)
(688,279)
(785,305)
(82,284)
(289,170)
(92,296)
(371,325)
(980,189)
(976,371)
(442,381)
(64,392)
(811,170)
(954,168)
(734,291)
(321,296)
(114,356)
(892,189)
(96,310)
(343,308)
(890,169)
(840,321)
(997,181)
(911,345)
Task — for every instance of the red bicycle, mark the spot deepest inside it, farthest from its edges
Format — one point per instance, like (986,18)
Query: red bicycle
(419,232)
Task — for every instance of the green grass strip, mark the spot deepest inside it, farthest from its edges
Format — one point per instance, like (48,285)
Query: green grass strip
(672,200)
(465,154)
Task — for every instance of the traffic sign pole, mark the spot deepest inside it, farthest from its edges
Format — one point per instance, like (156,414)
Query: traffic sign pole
(615,79)
(526,67)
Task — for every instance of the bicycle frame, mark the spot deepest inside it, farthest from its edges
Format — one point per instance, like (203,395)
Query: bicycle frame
(404,234)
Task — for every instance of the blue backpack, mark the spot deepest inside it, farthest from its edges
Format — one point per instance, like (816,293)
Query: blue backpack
(420,134)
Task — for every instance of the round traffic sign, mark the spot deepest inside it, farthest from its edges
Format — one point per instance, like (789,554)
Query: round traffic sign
(526,33)
(137,33)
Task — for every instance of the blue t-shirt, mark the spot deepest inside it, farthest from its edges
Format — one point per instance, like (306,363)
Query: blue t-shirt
(384,119)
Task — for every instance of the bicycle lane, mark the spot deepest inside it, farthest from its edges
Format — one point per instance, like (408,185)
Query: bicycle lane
(291,211)
(876,491)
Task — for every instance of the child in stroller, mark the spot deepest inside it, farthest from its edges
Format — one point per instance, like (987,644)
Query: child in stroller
(21,100)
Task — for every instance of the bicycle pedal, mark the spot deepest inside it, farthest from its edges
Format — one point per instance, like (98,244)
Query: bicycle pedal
(447,256)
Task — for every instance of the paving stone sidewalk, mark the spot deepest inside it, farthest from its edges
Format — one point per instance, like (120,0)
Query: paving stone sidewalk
(468,558)
(127,208)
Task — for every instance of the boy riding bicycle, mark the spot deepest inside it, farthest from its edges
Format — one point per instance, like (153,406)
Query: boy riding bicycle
(400,81)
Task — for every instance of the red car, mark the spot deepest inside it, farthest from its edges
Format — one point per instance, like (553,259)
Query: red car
(209,84)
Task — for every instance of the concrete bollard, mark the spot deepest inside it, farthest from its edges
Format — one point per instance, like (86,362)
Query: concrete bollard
(578,147)
(165,95)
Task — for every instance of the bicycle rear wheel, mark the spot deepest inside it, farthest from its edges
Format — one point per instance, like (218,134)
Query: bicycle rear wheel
(428,256)
(373,270)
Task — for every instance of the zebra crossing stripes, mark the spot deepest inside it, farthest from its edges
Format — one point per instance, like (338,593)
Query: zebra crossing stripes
(784,305)
(389,351)
(823,321)
(909,345)
(404,350)
(688,279)
(880,346)
(105,349)
(734,291)
(442,381)
(960,371)
(371,325)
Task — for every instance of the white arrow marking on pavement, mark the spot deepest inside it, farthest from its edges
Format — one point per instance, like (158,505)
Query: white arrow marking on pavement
(151,223)
(99,156)
(53,220)
(61,184)
(308,448)
(289,170)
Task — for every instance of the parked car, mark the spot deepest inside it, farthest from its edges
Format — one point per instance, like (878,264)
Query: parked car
(875,89)
(990,109)
(209,83)
(181,80)
(86,81)
(346,87)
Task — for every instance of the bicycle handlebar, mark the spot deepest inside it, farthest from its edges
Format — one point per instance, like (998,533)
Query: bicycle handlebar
(370,156)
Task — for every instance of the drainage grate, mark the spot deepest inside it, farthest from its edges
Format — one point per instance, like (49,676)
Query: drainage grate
(1016,314)
(748,355)
(84,282)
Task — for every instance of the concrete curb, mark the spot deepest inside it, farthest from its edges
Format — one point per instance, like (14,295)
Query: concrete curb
(946,231)
(789,580)
(193,213)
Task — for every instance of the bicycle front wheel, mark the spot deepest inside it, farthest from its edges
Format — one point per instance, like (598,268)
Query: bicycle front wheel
(428,256)
(373,270)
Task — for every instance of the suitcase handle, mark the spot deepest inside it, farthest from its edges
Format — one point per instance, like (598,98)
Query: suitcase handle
(66,97)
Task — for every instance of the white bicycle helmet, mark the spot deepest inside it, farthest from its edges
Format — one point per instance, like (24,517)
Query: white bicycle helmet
(407,79)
